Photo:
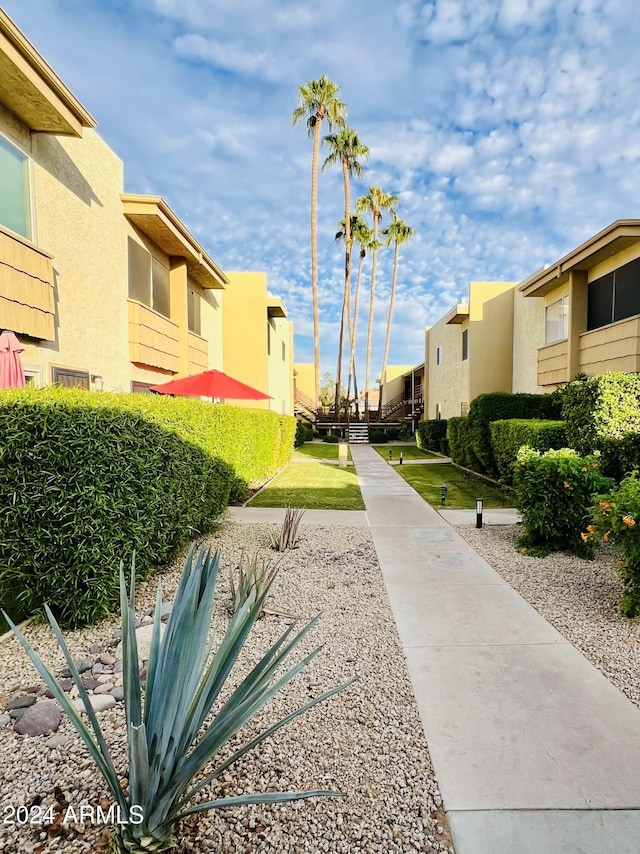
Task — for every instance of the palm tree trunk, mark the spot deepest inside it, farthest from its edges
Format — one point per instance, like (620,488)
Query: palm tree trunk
(353,327)
(347,281)
(389,316)
(374,259)
(314,256)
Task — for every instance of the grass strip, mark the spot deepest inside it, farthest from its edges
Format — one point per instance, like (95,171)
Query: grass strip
(314,486)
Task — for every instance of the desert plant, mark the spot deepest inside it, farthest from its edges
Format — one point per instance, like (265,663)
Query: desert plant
(287,536)
(254,576)
(169,744)
(616,519)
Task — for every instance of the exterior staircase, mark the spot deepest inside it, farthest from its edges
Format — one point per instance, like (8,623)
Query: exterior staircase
(358,433)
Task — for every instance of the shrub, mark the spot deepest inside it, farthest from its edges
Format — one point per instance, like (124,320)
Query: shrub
(507,437)
(459,442)
(304,433)
(331,439)
(603,413)
(172,741)
(616,518)
(378,437)
(498,406)
(554,491)
(85,482)
(432,435)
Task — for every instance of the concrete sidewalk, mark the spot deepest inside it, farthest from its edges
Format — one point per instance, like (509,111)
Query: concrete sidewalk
(534,749)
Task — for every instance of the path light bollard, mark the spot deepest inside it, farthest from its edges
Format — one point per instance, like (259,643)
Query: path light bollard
(400,457)
(479,506)
(443,494)
(390,454)
(342,455)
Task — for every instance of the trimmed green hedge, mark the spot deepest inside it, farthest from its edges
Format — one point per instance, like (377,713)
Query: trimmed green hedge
(603,413)
(498,406)
(88,478)
(507,437)
(432,435)
(459,440)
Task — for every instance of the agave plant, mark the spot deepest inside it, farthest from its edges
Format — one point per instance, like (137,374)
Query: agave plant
(254,575)
(287,537)
(169,744)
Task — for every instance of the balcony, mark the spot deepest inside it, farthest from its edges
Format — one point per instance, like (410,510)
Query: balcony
(26,288)
(198,353)
(615,347)
(552,363)
(153,339)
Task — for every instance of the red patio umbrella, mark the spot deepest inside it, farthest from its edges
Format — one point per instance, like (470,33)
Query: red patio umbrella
(211,383)
(11,372)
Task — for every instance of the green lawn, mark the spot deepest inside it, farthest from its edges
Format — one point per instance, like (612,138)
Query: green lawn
(463,488)
(314,486)
(409,452)
(318,451)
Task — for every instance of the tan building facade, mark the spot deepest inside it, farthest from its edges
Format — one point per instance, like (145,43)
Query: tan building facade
(470,350)
(107,290)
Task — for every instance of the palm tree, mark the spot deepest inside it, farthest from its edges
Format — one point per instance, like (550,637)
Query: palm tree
(374,202)
(317,100)
(361,233)
(397,233)
(345,148)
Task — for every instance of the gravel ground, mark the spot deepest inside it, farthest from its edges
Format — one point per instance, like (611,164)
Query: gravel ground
(367,741)
(579,597)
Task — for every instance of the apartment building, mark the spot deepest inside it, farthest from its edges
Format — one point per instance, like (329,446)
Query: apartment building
(108,290)
(469,351)
(402,392)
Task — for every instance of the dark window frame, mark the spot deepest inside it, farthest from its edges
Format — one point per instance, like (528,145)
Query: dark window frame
(59,373)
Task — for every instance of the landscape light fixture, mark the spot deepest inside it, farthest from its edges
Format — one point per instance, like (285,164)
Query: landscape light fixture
(390,454)
(479,507)
(96,379)
(443,494)
(400,457)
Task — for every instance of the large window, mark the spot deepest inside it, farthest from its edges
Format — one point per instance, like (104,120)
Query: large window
(614,296)
(438,355)
(556,321)
(194,321)
(70,379)
(15,190)
(148,279)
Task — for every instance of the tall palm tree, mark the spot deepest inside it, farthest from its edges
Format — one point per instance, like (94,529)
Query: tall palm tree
(362,234)
(345,148)
(317,101)
(397,233)
(373,202)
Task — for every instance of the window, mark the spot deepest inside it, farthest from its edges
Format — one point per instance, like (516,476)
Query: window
(15,190)
(268,338)
(193,312)
(438,412)
(70,379)
(148,279)
(438,356)
(465,344)
(464,408)
(615,296)
(284,352)
(141,388)
(556,321)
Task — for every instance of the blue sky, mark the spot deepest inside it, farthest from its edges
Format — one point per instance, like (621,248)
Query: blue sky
(509,129)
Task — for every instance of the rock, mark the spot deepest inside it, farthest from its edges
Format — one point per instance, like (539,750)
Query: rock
(117,667)
(5,720)
(107,658)
(90,683)
(95,649)
(57,741)
(16,714)
(103,688)
(97,668)
(21,702)
(83,664)
(40,719)
(118,692)
(32,689)
(99,702)
(143,638)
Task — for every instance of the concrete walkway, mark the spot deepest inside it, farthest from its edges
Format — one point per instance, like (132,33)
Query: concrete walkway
(534,749)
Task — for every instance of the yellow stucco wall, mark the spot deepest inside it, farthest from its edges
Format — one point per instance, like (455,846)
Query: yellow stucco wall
(448,382)
(528,337)
(280,366)
(490,337)
(393,381)
(304,380)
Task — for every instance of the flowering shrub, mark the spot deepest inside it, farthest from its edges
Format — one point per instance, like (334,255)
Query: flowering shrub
(616,519)
(554,492)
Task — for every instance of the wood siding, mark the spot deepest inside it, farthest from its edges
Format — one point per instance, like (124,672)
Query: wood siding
(153,339)
(26,288)
(615,347)
(198,353)
(552,363)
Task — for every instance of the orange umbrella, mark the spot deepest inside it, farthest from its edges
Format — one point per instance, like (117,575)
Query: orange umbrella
(211,383)
(11,371)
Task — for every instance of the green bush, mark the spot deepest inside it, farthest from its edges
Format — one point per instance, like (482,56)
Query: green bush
(459,441)
(304,433)
(603,413)
(331,439)
(84,484)
(554,492)
(378,437)
(616,518)
(498,406)
(432,435)
(507,437)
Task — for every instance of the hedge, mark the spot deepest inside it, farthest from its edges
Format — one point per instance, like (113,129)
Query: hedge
(432,435)
(460,442)
(603,413)
(498,406)
(508,436)
(89,478)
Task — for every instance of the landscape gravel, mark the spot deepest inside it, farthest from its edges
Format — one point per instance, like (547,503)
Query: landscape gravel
(367,741)
(579,597)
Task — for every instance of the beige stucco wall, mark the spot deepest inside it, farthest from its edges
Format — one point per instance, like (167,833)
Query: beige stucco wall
(490,337)
(528,337)
(211,324)
(448,383)
(281,369)
(393,381)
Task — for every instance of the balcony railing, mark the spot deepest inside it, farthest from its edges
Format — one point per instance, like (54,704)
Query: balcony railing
(153,339)
(198,353)
(26,288)
(403,406)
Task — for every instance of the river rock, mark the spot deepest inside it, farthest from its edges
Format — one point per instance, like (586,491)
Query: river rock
(39,719)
